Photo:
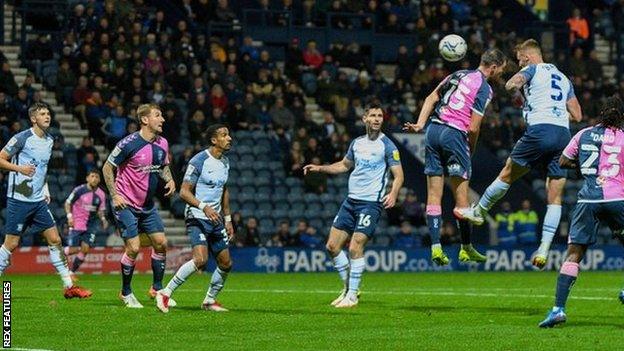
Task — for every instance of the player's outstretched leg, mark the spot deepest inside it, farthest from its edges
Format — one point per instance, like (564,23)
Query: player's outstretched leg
(335,242)
(5,255)
(467,252)
(358,263)
(220,274)
(434,221)
(59,261)
(163,297)
(490,197)
(567,276)
(554,189)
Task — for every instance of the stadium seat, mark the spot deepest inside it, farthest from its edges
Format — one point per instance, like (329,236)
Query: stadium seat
(262,197)
(382,240)
(267,224)
(246,197)
(67,180)
(245,181)
(331,207)
(264,204)
(258,135)
(314,206)
(311,197)
(317,223)
(233,158)
(280,214)
(234,173)
(265,157)
(328,214)
(234,206)
(242,134)
(243,150)
(248,206)
(275,165)
(295,215)
(259,166)
(292,181)
(263,212)
(294,198)
(281,205)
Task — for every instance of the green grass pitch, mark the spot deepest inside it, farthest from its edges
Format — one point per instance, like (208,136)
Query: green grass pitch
(422,311)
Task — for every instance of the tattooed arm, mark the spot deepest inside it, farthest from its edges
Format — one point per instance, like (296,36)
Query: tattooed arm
(165,174)
(109,178)
(516,82)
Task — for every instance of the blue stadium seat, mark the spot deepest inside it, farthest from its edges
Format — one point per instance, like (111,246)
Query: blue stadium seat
(264,180)
(234,173)
(279,174)
(292,181)
(262,197)
(267,224)
(382,240)
(233,158)
(331,207)
(298,206)
(263,213)
(248,206)
(317,223)
(281,205)
(243,134)
(259,166)
(245,181)
(311,197)
(280,214)
(314,206)
(243,150)
(295,198)
(275,165)
(247,213)
(234,190)
(67,180)
(234,206)
(295,215)
(258,135)
(264,190)
(264,204)
(265,157)
(326,197)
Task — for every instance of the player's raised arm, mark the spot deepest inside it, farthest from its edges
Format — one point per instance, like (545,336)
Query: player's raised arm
(341,166)
(516,82)
(426,110)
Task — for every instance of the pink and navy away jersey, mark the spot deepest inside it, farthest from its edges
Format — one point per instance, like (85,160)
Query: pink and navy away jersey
(462,93)
(139,163)
(85,203)
(598,151)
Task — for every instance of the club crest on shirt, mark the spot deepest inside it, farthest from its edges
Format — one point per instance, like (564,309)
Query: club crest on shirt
(395,155)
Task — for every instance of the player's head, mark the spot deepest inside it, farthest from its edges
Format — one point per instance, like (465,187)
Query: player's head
(528,52)
(373,117)
(93,178)
(493,62)
(150,117)
(612,113)
(219,136)
(39,115)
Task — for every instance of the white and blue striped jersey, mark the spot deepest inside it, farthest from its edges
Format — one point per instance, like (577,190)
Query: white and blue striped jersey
(209,175)
(27,148)
(546,93)
(372,160)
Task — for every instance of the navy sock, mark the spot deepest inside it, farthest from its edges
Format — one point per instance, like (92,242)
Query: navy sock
(434,221)
(567,277)
(127,269)
(158,269)
(76,264)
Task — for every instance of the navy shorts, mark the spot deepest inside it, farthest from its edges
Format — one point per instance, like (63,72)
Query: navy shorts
(541,146)
(76,237)
(21,215)
(447,152)
(133,222)
(357,216)
(204,232)
(586,219)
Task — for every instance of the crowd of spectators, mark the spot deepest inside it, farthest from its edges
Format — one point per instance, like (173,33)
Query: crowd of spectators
(117,54)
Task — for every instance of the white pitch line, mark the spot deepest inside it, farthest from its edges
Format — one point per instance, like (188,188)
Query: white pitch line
(423,292)
(23,349)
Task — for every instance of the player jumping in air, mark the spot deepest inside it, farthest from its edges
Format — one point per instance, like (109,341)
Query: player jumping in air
(28,197)
(597,151)
(456,108)
(549,106)
(140,159)
(372,155)
(82,205)
(206,196)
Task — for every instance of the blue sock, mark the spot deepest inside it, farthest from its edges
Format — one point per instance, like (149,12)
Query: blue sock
(567,277)
(434,220)
(158,268)
(493,193)
(551,222)
(127,269)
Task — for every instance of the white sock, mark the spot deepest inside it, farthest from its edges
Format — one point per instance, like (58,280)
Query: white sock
(216,284)
(5,258)
(59,261)
(436,246)
(493,193)
(341,263)
(180,277)
(355,276)
(551,222)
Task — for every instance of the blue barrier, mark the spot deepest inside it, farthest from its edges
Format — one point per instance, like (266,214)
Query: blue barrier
(279,260)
